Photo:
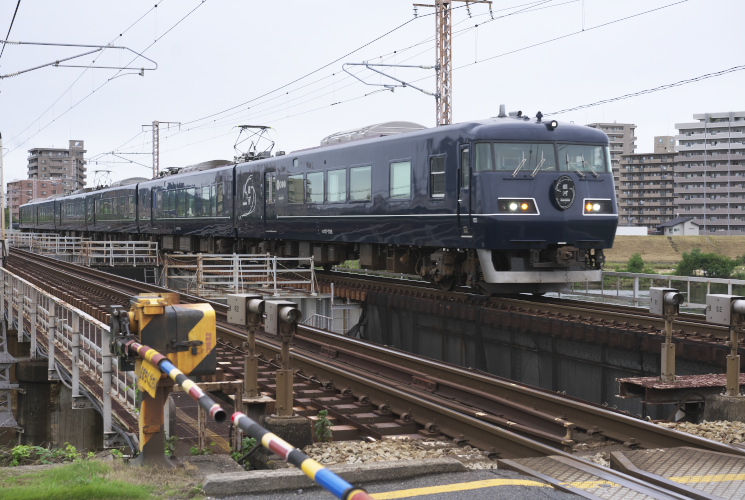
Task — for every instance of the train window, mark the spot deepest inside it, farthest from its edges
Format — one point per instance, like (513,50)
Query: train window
(220,199)
(583,158)
(437,176)
(191,202)
(360,184)
(144,206)
(270,187)
(526,157)
(204,201)
(400,180)
(337,190)
(295,162)
(483,156)
(465,169)
(180,202)
(314,193)
(295,189)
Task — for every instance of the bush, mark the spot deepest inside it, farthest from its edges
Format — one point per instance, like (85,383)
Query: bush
(714,265)
(322,427)
(636,264)
(35,455)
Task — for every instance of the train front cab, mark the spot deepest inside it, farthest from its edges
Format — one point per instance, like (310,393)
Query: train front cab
(541,213)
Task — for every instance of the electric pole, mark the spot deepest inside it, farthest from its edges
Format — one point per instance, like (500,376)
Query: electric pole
(444,48)
(156,143)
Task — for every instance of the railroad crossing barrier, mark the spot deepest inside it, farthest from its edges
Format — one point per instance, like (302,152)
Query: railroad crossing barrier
(334,484)
(76,346)
(215,275)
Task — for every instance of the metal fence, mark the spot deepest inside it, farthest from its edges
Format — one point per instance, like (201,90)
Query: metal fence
(120,253)
(634,287)
(86,252)
(76,346)
(214,275)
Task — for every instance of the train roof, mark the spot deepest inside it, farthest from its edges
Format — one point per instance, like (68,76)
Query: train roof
(498,128)
(371,131)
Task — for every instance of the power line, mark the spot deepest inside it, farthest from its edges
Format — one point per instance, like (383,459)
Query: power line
(306,75)
(649,91)
(107,81)
(567,35)
(11,26)
(81,75)
(539,5)
(532,6)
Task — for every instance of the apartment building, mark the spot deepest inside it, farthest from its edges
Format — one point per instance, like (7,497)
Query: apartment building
(646,185)
(622,142)
(21,192)
(63,165)
(710,172)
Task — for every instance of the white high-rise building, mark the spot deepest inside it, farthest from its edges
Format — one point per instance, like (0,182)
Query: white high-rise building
(710,172)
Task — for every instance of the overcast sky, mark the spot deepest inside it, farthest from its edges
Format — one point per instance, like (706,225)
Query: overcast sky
(252,58)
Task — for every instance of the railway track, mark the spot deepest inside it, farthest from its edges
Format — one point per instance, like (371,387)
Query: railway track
(376,392)
(687,326)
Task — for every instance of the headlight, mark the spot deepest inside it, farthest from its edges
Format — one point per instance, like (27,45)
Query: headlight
(517,206)
(598,207)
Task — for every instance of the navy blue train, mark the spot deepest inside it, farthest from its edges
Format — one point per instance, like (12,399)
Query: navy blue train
(508,204)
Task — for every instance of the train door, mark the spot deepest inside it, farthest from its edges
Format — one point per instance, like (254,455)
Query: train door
(270,202)
(464,192)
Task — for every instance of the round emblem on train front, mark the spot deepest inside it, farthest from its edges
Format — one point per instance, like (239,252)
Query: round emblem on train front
(564,192)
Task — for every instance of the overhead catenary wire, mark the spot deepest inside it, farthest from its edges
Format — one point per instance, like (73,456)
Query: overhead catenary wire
(586,29)
(238,109)
(110,79)
(649,91)
(11,26)
(82,73)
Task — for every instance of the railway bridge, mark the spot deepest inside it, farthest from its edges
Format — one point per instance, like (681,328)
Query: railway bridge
(56,326)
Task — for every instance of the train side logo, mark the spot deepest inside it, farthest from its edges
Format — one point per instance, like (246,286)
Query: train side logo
(249,197)
(564,191)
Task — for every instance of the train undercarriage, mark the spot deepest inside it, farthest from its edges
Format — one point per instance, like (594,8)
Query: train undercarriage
(538,271)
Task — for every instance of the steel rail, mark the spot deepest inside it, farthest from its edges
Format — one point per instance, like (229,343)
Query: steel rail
(448,381)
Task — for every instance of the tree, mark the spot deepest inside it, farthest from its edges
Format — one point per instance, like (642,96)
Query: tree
(709,264)
(636,264)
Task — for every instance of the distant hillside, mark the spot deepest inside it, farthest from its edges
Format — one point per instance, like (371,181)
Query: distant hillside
(669,249)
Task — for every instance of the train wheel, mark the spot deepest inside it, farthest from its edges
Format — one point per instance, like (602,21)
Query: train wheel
(447,284)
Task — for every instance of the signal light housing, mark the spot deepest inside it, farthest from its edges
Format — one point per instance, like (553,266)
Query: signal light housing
(517,206)
(597,207)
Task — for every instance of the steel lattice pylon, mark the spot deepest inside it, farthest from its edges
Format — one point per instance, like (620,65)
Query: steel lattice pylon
(443,41)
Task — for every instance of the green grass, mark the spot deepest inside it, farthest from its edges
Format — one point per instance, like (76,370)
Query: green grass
(85,480)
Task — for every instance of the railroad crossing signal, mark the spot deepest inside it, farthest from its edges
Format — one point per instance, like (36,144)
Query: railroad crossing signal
(281,319)
(729,310)
(665,302)
(185,334)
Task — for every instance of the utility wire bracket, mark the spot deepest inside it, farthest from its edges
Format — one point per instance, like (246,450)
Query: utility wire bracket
(389,86)
(97,48)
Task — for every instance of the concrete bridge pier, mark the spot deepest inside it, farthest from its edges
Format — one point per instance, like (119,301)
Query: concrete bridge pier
(46,414)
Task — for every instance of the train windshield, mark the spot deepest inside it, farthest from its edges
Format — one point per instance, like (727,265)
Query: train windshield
(514,157)
(541,157)
(583,158)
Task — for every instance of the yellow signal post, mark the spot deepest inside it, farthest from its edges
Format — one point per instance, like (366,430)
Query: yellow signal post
(185,334)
